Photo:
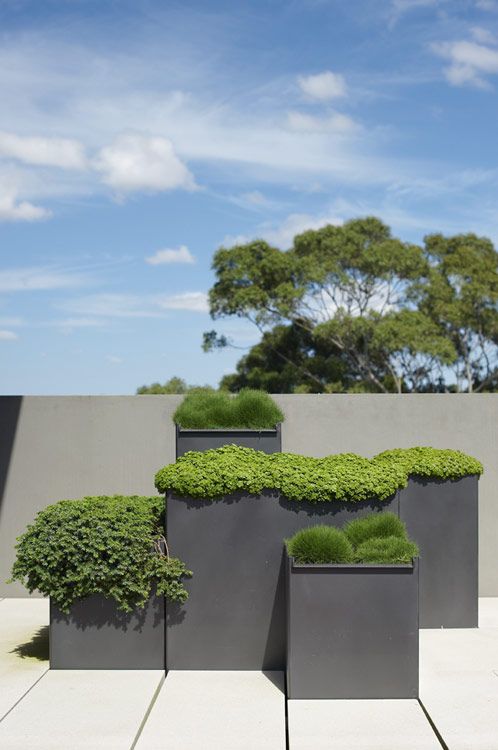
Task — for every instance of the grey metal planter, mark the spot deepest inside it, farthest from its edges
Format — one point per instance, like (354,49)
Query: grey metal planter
(235,615)
(352,631)
(442,517)
(268,441)
(96,635)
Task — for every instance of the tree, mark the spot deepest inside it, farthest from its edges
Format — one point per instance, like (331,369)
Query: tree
(350,290)
(173,385)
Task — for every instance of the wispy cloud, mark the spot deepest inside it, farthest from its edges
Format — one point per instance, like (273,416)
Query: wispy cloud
(283,233)
(39,278)
(469,63)
(335,122)
(113,360)
(8,336)
(12,209)
(189,301)
(171,255)
(323,86)
(52,152)
(111,305)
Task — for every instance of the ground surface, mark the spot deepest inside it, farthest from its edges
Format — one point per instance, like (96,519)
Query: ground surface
(124,710)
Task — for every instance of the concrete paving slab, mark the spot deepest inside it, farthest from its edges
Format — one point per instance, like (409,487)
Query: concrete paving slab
(488,612)
(81,710)
(359,725)
(23,648)
(217,711)
(459,685)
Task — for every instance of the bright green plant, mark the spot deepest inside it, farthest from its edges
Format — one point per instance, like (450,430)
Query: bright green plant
(214,473)
(431,462)
(377,525)
(320,544)
(251,409)
(100,545)
(388,550)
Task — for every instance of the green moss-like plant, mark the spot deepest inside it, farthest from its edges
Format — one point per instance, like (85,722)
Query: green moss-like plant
(214,473)
(435,463)
(388,550)
(99,545)
(320,544)
(249,409)
(377,525)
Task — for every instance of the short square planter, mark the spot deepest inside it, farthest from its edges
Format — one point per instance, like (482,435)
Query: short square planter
(442,518)
(235,615)
(96,635)
(268,441)
(352,631)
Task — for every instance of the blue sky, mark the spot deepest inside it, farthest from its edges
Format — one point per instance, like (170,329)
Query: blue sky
(137,137)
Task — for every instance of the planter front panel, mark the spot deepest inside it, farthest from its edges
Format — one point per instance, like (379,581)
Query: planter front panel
(235,615)
(268,441)
(352,632)
(96,635)
(442,517)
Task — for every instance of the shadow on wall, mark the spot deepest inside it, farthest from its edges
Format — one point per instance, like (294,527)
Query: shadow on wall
(10,407)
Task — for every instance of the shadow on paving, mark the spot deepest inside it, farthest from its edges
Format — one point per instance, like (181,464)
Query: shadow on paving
(36,648)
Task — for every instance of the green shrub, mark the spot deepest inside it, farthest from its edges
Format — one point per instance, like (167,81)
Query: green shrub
(431,462)
(215,473)
(376,525)
(251,409)
(99,545)
(389,549)
(320,544)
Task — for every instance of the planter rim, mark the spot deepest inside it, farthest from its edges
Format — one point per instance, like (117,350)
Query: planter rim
(231,430)
(351,566)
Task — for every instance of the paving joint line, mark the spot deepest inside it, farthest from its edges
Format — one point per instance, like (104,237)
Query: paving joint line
(25,694)
(433,726)
(149,709)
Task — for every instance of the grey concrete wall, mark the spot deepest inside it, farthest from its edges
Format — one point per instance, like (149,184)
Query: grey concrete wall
(59,447)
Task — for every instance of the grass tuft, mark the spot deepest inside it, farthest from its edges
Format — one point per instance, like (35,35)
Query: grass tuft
(320,544)
(249,409)
(390,549)
(375,525)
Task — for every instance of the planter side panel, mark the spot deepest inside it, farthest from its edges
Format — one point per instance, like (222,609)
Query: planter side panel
(268,441)
(96,635)
(235,615)
(442,517)
(352,633)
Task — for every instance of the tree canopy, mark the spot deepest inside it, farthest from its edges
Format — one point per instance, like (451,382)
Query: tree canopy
(352,308)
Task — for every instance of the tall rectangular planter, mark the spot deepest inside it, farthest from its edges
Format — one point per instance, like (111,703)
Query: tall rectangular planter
(442,517)
(268,441)
(235,615)
(352,631)
(96,635)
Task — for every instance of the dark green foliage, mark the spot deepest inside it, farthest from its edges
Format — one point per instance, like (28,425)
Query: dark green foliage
(389,549)
(320,544)
(99,545)
(203,409)
(222,471)
(378,525)
(171,386)
(363,541)
(432,462)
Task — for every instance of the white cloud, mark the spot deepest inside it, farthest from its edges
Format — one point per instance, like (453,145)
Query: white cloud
(191,301)
(171,255)
(483,36)
(52,152)
(282,235)
(332,123)
(138,162)
(37,278)
(11,322)
(113,360)
(8,336)
(469,61)
(323,86)
(487,5)
(111,305)
(12,209)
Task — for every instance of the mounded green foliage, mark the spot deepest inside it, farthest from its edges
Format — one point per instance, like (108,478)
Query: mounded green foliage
(345,476)
(432,462)
(99,545)
(388,549)
(328,545)
(320,544)
(251,409)
(377,525)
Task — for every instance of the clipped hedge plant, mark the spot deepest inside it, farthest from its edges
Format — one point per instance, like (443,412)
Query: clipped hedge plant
(318,545)
(249,409)
(214,473)
(99,545)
